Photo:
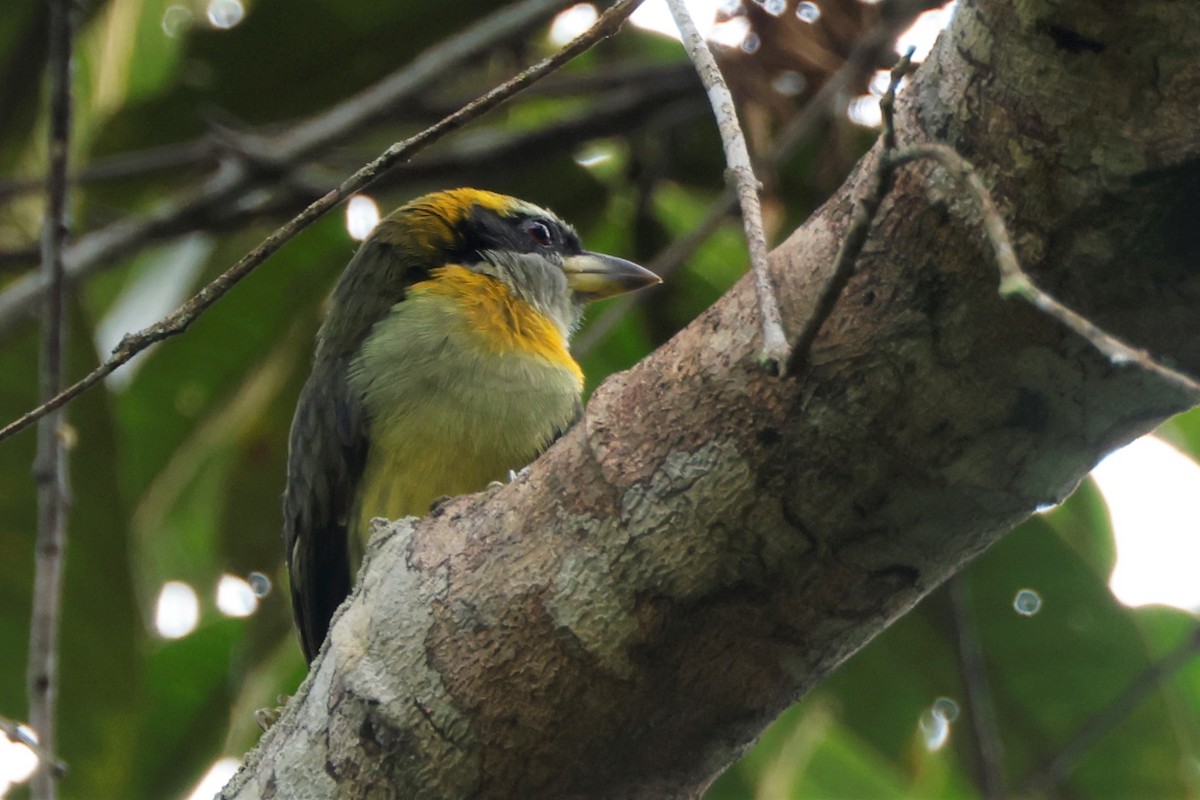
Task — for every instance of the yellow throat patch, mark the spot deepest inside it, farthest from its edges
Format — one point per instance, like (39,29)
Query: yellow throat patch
(501,321)
(464,382)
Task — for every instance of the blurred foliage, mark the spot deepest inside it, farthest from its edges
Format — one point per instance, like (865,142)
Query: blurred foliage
(179,468)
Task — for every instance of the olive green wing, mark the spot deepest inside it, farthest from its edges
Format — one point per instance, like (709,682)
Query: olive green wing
(327,450)
(329,440)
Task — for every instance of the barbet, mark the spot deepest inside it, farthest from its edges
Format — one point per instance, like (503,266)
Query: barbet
(442,365)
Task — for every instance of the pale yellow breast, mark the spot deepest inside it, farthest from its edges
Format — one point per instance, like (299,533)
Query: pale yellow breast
(453,403)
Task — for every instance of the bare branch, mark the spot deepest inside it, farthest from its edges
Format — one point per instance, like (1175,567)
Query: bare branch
(868,54)
(741,170)
(988,747)
(896,15)
(1015,282)
(124,165)
(204,151)
(182,317)
(856,235)
(236,178)
(50,463)
(615,104)
(1043,780)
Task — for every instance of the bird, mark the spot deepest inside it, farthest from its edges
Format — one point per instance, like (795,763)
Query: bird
(442,365)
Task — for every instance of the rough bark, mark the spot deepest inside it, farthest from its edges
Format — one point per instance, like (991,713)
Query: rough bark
(711,541)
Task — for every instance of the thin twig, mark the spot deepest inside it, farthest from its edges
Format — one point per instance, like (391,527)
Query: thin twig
(203,151)
(980,710)
(375,101)
(125,165)
(896,15)
(236,179)
(1014,282)
(181,318)
(856,235)
(21,734)
(1040,781)
(774,344)
(50,463)
(606,114)
(458,159)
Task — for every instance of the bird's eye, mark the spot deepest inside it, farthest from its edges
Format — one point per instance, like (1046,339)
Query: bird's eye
(539,232)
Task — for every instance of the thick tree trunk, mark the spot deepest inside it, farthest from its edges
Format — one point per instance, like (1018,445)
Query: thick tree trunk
(711,541)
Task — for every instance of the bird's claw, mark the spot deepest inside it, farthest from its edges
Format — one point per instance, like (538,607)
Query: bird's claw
(266,717)
(512,476)
(438,505)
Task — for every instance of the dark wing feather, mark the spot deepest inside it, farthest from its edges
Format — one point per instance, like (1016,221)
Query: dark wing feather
(561,432)
(328,444)
(325,460)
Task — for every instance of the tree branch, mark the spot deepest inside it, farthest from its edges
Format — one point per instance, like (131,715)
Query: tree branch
(829,100)
(741,173)
(125,165)
(989,749)
(50,463)
(460,159)
(856,235)
(1044,779)
(234,179)
(178,321)
(205,151)
(709,542)
(612,111)
(1014,281)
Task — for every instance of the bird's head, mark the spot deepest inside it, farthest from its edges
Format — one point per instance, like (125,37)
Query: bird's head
(528,248)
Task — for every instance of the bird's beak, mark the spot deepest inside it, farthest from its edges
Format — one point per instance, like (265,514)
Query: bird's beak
(594,276)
